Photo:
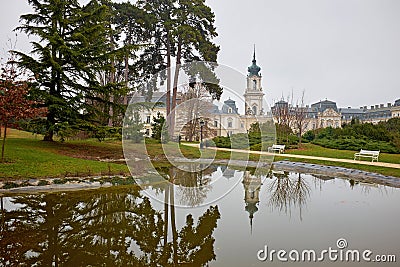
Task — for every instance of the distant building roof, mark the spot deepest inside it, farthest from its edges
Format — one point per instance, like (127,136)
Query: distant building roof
(156,97)
(321,106)
(281,102)
(229,107)
(215,109)
(351,111)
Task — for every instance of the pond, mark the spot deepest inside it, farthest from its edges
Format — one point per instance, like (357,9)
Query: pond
(215,217)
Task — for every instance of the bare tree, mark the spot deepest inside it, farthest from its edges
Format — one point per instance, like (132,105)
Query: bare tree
(290,117)
(283,118)
(300,119)
(195,106)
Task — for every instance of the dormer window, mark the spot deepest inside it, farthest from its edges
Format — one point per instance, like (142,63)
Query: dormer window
(229,110)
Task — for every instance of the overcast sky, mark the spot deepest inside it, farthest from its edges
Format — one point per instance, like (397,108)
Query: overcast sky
(345,50)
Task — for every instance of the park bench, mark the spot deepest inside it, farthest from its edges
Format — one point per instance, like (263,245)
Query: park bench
(374,155)
(279,148)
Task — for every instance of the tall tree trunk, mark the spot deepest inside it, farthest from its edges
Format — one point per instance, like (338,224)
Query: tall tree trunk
(50,123)
(4,141)
(125,101)
(112,80)
(51,116)
(175,86)
(168,97)
(111,99)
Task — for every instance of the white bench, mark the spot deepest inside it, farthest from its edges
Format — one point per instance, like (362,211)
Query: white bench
(374,155)
(279,148)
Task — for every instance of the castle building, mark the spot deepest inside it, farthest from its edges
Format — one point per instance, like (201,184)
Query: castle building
(223,121)
(326,114)
(226,121)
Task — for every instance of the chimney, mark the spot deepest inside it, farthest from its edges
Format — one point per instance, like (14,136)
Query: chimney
(365,107)
(361,107)
(382,105)
(389,105)
(348,107)
(372,107)
(376,106)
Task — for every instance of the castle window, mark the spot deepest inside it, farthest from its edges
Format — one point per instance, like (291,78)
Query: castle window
(255,110)
(148,119)
(255,84)
(215,123)
(230,123)
(229,110)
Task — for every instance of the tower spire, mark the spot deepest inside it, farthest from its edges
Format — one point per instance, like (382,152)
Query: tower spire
(254,69)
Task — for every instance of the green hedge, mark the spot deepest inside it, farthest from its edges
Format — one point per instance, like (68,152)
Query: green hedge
(353,143)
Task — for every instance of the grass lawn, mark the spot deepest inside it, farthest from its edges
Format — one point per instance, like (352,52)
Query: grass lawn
(319,151)
(29,157)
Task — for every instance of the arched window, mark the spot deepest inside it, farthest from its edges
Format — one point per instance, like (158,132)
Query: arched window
(255,110)
(255,84)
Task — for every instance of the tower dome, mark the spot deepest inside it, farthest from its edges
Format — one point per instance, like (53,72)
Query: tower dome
(254,69)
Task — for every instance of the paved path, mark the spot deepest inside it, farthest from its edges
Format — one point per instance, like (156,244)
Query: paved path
(378,164)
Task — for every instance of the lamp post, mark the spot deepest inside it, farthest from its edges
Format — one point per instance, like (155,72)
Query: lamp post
(201,133)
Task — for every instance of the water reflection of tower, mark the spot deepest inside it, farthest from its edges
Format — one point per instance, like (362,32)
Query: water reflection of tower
(252,185)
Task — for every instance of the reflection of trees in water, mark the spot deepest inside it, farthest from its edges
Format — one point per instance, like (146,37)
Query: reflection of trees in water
(192,183)
(286,192)
(116,227)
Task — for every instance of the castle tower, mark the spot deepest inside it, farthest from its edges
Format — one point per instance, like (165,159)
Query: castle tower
(253,94)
